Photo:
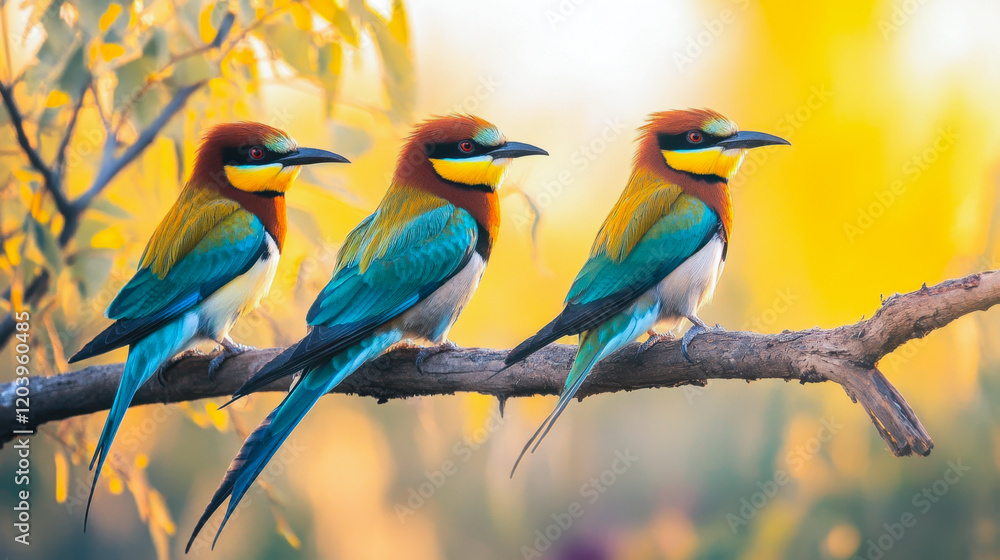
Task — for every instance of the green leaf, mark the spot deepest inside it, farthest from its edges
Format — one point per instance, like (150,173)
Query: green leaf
(47,245)
(352,139)
(293,45)
(304,222)
(90,270)
(399,72)
(105,206)
(74,75)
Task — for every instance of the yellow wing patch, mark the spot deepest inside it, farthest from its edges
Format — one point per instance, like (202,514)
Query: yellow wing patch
(371,240)
(472,171)
(644,201)
(191,218)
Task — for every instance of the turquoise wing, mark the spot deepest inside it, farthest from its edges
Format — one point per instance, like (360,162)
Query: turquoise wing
(147,302)
(382,275)
(605,286)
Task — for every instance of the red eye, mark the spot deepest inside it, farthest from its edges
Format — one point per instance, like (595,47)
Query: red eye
(694,137)
(256,153)
(466,146)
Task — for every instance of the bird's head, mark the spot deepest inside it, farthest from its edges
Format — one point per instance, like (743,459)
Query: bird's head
(462,150)
(255,158)
(699,142)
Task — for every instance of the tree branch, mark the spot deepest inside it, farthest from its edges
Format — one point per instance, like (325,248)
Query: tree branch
(845,355)
(52,180)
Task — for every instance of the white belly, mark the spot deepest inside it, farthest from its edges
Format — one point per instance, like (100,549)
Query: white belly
(432,318)
(240,296)
(692,284)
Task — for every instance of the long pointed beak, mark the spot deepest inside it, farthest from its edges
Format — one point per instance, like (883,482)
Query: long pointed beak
(307,156)
(746,139)
(515,150)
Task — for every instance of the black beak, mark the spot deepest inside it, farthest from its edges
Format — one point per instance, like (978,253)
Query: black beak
(516,149)
(746,139)
(307,156)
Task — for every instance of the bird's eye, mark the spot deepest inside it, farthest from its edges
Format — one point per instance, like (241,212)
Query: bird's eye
(695,137)
(466,146)
(256,153)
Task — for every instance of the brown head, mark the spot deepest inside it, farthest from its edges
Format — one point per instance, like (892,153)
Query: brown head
(462,159)
(700,150)
(254,164)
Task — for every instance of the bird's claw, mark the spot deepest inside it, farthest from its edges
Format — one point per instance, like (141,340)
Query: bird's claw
(161,376)
(229,349)
(654,339)
(446,346)
(694,331)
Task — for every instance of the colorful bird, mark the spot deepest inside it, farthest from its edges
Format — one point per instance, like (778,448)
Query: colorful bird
(404,273)
(661,250)
(210,261)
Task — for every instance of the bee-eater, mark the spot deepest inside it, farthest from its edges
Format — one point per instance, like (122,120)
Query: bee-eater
(210,261)
(404,273)
(661,250)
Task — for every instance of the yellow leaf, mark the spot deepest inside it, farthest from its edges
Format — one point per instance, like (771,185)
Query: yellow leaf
(111,51)
(159,514)
(398,25)
(40,214)
(285,530)
(57,224)
(218,417)
(302,17)
(25,176)
(56,99)
(17,293)
(205,28)
(62,477)
(12,248)
(110,238)
(109,16)
(141,461)
(115,485)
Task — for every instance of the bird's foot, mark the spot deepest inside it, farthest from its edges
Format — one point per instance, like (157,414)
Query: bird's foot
(161,376)
(229,349)
(696,329)
(654,339)
(446,346)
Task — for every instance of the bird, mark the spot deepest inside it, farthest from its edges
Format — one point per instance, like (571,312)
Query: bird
(659,253)
(209,262)
(404,274)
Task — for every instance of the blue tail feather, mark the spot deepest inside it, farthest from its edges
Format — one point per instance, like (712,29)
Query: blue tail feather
(261,445)
(144,358)
(595,345)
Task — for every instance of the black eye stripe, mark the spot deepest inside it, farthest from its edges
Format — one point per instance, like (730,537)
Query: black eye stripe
(240,155)
(450,150)
(680,141)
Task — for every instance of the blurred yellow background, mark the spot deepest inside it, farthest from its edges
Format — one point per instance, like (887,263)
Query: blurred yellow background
(891,181)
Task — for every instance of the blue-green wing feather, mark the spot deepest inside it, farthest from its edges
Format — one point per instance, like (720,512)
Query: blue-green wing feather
(421,255)
(148,302)
(605,286)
